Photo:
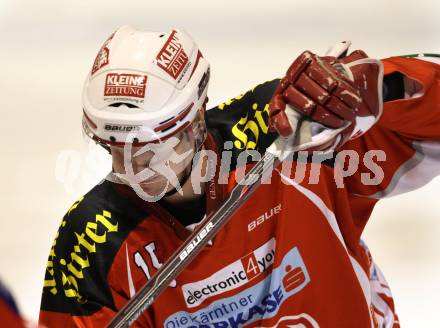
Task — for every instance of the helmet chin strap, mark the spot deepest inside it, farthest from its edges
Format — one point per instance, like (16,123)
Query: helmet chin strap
(181,181)
(184,179)
(187,175)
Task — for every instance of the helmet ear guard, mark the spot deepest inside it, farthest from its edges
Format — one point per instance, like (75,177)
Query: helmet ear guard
(150,83)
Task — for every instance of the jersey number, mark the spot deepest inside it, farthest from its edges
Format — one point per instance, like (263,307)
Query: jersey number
(142,264)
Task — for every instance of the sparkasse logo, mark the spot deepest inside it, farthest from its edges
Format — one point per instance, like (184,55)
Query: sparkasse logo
(127,85)
(172,58)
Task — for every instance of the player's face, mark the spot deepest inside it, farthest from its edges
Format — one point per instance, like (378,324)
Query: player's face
(156,168)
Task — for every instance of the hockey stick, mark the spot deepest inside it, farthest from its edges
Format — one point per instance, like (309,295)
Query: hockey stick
(207,230)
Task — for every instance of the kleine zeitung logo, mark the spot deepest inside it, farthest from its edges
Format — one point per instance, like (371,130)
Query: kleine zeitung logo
(101,59)
(172,58)
(126,85)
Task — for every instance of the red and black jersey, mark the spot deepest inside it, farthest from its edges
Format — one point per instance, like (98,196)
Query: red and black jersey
(292,255)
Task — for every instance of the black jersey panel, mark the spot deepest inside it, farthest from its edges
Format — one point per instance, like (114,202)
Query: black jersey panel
(90,235)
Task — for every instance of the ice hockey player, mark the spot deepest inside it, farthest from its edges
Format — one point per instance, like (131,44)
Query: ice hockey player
(9,313)
(292,254)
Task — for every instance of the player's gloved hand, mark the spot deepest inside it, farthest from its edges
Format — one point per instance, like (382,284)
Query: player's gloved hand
(325,101)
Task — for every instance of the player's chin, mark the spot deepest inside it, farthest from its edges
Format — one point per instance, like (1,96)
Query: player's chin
(156,188)
(160,185)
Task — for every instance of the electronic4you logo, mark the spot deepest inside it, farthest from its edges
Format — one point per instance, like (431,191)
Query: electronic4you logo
(260,303)
(232,276)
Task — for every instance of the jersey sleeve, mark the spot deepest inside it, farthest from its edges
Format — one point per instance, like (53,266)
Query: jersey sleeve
(402,151)
(417,115)
(80,287)
(75,291)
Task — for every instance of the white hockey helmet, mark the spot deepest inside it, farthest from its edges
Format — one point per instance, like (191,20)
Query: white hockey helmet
(144,87)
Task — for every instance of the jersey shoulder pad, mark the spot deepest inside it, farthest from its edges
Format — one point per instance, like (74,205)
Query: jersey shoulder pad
(243,120)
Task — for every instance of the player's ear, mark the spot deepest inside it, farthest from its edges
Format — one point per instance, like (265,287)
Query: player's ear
(202,113)
(117,154)
(205,103)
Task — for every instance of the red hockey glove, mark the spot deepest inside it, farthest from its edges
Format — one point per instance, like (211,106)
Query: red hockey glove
(341,94)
